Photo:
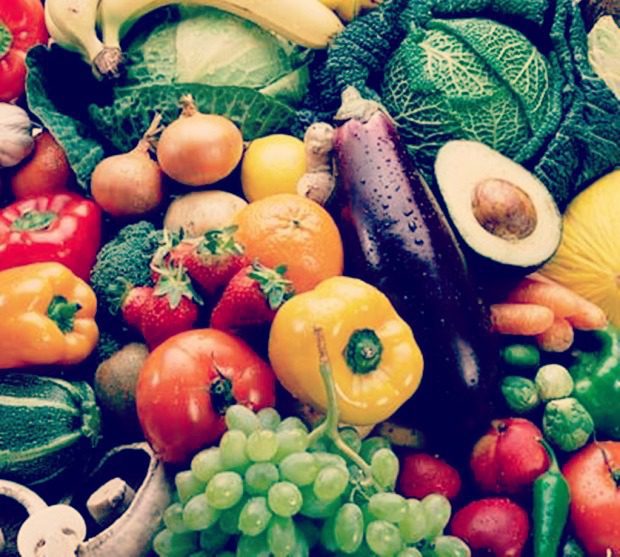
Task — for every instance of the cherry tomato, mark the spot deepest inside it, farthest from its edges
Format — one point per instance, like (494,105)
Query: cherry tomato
(187,383)
(593,475)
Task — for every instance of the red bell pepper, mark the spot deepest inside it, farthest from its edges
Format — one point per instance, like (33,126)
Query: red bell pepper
(58,227)
(22,26)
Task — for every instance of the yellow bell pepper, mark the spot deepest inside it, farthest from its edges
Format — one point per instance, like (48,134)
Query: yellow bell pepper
(46,316)
(376,362)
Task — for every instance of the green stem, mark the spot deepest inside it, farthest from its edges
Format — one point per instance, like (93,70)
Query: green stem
(6,39)
(62,312)
(330,426)
(33,221)
(553,465)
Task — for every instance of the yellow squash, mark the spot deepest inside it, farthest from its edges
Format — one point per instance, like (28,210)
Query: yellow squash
(376,362)
(47,316)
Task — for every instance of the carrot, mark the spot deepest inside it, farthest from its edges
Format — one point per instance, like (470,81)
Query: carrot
(589,318)
(557,338)
(561,301)
(520,319)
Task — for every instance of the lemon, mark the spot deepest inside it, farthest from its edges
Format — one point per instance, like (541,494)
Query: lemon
(271,165)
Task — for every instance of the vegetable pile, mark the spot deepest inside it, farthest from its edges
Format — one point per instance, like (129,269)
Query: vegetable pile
(309,277)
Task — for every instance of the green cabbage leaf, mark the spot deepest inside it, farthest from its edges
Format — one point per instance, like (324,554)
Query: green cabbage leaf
(604,51)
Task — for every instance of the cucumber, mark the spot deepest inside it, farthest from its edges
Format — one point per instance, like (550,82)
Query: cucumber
(47,426)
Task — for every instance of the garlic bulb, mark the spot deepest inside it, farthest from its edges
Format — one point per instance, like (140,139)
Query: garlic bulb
(16,141)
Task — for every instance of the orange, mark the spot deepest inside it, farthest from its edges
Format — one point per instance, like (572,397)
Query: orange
(288,229)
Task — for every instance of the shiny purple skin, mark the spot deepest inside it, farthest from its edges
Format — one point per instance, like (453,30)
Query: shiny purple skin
(398,239)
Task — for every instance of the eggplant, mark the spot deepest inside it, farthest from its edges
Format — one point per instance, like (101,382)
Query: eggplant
(399,240)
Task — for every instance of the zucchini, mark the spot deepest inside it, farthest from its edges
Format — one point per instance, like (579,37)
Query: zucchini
(47,426)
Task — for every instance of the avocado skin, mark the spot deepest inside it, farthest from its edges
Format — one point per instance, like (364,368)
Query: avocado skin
(398,240)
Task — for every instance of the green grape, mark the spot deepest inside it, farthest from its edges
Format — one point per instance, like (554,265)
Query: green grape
(383,538)
(308,529)
(269,418)
(313,507)
(199,553)
(206,464)
(225,554)
(409,552)
(284,499)
(198,514)
(324,459)
(232,450)
(319,444)
(229,519)
(388,506)
(281,536)
(349,528)
(330,482)
(213,539)
(437,509)
(253,546)
(239,417)
(188,485)
(301,549)
(290,441)
(262,445)
(225,490)
(168,544)
(260,477)
(384,468)
(255,516)
(371,445)
(299,468)
(328,537)
(351,438)
(414,526)
(292,422)
(173,519)
(450,546)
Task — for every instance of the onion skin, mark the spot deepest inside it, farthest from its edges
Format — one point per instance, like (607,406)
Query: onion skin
(129,184)
(200,149)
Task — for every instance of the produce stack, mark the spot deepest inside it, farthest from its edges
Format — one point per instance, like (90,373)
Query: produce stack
(309,277)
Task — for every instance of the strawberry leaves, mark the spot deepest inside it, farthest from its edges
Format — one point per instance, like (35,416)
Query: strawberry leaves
(272,283)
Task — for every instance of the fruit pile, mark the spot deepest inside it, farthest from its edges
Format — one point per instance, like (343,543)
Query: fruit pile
(309,277)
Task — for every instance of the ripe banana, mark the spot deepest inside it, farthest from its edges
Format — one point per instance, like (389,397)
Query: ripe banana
(71,23)
(305,22)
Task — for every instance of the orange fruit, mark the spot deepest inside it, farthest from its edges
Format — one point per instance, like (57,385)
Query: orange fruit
(288,229)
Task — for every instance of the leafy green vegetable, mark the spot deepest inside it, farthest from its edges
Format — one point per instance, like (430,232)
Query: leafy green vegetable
(231,67)
(511,73)
(134,107)
(567,424)
(604,51)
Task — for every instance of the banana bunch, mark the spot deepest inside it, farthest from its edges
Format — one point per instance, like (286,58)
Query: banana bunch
(74,24)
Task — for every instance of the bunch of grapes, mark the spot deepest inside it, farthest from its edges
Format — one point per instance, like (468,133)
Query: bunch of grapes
(272,488)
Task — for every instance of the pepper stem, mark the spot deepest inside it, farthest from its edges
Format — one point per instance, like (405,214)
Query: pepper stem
(62,312)
(329,427)
(33,221)
(6,39)
(363,351)
(553,466)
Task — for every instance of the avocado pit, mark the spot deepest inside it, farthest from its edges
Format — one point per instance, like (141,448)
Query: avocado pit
(504,209)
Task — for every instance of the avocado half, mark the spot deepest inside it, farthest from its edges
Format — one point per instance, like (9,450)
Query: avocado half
(500,209)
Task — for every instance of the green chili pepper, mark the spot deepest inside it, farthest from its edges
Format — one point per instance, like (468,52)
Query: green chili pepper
(551,503)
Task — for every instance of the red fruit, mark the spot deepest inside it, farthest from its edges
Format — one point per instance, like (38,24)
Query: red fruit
(133,304)
(211,261)
(496,525)
(252,297)
(422,474)
(508,458)
(593,475)
(161,320)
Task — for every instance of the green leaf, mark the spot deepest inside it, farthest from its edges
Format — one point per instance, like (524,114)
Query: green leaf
(133,108)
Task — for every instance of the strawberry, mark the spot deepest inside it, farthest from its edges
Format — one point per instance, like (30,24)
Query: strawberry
(167,309)
(212,260)
(252,297)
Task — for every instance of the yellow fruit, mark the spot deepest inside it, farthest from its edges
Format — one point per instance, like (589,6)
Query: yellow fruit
(271,165)
(588,259)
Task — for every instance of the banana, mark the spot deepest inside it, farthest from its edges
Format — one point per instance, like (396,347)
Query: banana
(72,23)
(305,22)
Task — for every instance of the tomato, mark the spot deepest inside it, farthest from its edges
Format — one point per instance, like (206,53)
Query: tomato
(22,25)
(593,475)
(187,383)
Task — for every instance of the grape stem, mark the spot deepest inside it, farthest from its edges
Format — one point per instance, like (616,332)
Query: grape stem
(329,427)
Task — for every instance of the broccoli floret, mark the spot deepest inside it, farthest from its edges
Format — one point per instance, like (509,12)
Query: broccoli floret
(124,262)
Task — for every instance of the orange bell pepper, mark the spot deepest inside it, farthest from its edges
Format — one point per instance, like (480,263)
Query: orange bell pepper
(47,316)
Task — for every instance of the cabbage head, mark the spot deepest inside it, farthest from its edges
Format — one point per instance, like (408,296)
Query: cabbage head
(470,78)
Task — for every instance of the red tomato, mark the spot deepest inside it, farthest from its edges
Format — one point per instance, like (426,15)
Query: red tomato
(187,383)
(22,25)
(593,475)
